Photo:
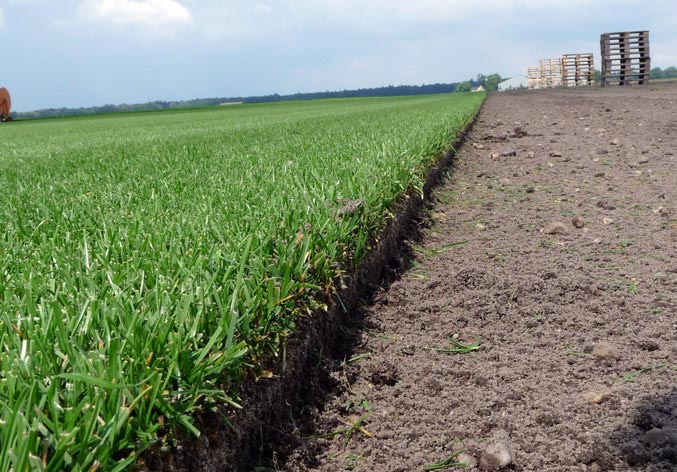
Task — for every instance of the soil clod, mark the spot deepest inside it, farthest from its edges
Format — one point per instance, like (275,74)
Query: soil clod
(496,456)
(555,227)
(469,461)
(605,350)
(605,205)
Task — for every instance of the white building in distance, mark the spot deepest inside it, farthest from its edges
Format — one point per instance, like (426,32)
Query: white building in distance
(513,83)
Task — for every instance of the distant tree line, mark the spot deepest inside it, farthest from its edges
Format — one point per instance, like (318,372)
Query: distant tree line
(490,82)
(124,108)
(655,73)
(658,73)
(389,91)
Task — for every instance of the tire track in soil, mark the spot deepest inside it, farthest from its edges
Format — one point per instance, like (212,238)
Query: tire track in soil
(554,242)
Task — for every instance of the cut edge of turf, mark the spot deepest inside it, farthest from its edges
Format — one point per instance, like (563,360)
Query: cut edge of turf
(246,439)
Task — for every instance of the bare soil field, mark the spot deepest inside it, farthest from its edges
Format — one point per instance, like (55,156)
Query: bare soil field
(551,253)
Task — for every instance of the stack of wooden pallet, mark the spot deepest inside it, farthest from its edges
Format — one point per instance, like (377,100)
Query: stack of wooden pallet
(534,78)
(548,74)
(551,72)
(625,58)
(578,70)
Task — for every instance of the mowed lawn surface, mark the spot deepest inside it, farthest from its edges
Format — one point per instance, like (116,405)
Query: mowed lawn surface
(149,259)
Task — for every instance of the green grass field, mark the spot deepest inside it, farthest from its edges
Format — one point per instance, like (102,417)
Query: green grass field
(150,259)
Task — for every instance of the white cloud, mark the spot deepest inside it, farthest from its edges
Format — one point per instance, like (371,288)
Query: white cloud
(151,13)
(253,19)
(3,26)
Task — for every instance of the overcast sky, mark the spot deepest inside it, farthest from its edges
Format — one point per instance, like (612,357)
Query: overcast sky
(91,52)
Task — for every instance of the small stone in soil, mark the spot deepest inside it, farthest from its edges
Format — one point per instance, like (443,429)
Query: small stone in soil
(469,461)
(530,189)
(607,221)
(578,222)
(481,226)
(519,132)
(494,155)
(614,142)
(597,396)
(508,153)
(604,350)
(605,205)
(662,211)
(555,228)
(555,154)
(496,456)
(531,154)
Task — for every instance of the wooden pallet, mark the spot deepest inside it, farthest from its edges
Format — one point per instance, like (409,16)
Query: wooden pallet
(578,70)
(626,58)
(551,72)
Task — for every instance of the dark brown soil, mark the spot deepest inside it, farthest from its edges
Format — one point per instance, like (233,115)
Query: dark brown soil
(555,244)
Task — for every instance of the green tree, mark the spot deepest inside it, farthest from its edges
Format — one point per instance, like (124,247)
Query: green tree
(491,82)
(656,73)
(464,86)
(670,72)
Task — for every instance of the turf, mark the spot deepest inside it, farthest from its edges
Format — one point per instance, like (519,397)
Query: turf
(149,260)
